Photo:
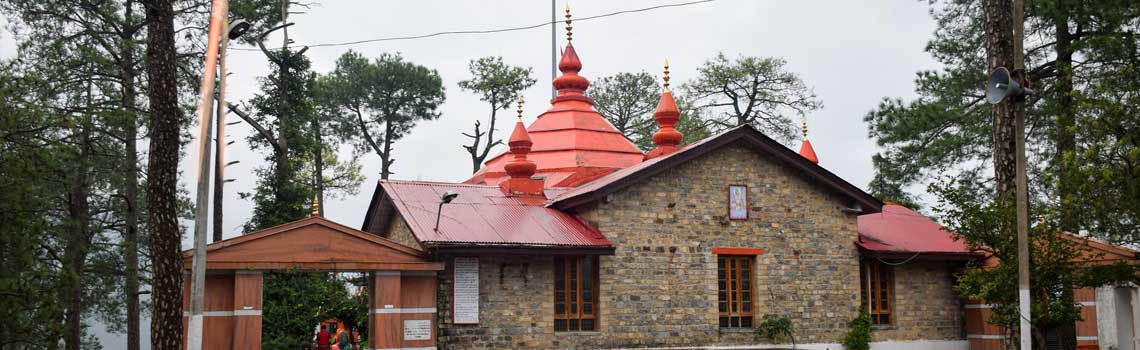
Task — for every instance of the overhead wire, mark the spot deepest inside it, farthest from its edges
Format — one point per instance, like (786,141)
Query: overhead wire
(490,31)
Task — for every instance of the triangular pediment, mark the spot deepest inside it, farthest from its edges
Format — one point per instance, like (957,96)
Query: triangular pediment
(313,244)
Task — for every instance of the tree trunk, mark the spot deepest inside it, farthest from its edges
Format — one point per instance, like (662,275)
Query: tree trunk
(131,186)
(220,138)
(162,177)
(999,53)
(1066,120)
(77,244)
(386,158)
(319,166)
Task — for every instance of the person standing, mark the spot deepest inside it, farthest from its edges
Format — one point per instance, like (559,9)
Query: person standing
(323,339)
(342,340)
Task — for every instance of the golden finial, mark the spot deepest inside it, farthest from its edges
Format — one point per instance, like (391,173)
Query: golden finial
(666,78)
(569,35)
(316,205)
(805,127)
(520,99)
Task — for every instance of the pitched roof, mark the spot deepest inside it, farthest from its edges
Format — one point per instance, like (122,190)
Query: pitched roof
(897,229)
(482,217)
(573,143)
(312,243)
(617,180)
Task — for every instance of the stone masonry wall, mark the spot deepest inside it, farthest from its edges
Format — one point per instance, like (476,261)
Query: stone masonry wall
(662,279)
(659,288)
(400,232)
(925,304)
(516,301)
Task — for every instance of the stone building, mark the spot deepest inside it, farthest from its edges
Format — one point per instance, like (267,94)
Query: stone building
(574,238)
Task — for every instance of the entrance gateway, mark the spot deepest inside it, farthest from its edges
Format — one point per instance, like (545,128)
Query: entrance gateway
(401,287)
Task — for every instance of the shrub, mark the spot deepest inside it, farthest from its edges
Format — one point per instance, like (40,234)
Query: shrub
(775,328)
(859,337)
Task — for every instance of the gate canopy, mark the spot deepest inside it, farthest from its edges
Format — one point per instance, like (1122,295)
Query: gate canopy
(314,243)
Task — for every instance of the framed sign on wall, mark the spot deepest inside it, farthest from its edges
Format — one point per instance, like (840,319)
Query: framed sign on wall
(465,290)
(738,202)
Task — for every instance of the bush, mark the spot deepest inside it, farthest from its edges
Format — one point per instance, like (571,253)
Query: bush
(775,328)
(859,337)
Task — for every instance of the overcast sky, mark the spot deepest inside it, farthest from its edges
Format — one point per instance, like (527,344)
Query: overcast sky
(853,53)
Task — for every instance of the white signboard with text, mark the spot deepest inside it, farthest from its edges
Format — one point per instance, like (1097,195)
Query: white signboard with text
(417,329)
(465,290)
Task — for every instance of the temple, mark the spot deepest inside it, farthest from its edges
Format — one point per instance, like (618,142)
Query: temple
(575,238)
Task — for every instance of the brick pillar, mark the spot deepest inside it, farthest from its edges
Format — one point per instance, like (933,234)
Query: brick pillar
(247,310)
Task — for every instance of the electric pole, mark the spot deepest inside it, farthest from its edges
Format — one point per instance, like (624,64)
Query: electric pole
(218,12)
(553,45)
(1017,108)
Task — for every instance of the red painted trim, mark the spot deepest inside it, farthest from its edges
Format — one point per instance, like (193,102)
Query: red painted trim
(729,203)
(737,251)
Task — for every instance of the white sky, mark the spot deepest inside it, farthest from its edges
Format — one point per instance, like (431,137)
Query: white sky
(853,53)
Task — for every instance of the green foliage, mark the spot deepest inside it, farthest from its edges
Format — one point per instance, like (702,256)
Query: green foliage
(295,302)
(1055,267)
(775,328)
(1080,163)
(283,192)
(627,100)
(859,336)
(758,91)
(382,100)
(496,83)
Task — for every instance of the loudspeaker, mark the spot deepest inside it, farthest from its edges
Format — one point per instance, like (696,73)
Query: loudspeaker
(1002,85)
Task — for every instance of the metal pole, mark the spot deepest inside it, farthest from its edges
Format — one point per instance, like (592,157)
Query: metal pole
(220,134)
(553,45)
(1022,192)
(205,99)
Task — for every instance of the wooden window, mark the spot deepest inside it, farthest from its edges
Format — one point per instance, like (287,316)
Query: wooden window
(877,280)
(734,290)
(575,293)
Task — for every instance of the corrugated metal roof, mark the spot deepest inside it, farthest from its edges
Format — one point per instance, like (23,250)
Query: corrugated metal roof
(898,229)
(484,216)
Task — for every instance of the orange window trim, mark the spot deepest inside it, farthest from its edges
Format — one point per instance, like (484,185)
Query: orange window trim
(737,251)
(735,287)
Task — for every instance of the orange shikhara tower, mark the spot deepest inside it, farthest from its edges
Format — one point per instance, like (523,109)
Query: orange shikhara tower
(667,138)
(572,143)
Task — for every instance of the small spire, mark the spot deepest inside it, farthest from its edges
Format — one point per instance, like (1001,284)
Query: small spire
(316,205)
(520,99)
(569,34)
(667,138)
(806,150)
(805,127)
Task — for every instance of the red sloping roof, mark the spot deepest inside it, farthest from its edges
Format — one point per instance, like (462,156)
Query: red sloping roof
(482,216)
(897,229)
